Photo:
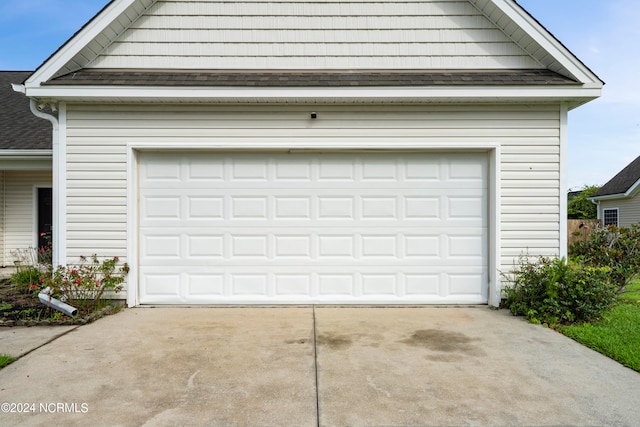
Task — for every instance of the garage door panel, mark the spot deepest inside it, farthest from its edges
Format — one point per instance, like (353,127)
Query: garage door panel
(205,207)
(290,284)
(197,248)
(157,207)
(313,227)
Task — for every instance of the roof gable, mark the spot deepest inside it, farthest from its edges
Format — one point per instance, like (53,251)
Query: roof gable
(353,39)
(623,184)
(315,35)
(320,34)
(19,128)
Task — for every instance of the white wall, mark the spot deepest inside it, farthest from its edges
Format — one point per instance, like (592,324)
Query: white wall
(2,225)
(20,226)
(527,134)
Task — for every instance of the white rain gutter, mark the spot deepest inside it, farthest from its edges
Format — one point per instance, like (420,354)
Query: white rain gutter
(55,142)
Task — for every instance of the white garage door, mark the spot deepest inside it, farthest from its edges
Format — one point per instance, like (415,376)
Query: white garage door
(312,227)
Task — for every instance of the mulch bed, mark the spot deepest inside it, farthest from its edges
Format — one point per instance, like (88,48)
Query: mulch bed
(20,309)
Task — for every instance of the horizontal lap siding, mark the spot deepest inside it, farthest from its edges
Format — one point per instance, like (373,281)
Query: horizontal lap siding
(317,35)
(628,210)
(3,228)
(529,136)
(19,221)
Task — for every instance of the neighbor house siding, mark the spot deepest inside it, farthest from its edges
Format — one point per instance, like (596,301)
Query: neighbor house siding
(528,135)
(445,34)
(628,210)
(19,209)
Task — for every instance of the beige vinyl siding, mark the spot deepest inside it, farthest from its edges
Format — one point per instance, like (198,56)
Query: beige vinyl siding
(628,210)
(3,262)
(19,210)
(528,135)
(313,35)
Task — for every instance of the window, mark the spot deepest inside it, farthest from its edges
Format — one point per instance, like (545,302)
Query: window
(610,217)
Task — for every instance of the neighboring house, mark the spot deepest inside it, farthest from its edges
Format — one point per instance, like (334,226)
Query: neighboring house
(25,171)
(617,200)
(311,151)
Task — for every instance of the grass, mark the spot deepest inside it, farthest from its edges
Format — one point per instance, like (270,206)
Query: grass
(6,360)
(617,334)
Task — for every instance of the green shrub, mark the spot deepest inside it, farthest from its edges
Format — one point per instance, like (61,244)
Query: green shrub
(552,291)
(85,284)
(613,247)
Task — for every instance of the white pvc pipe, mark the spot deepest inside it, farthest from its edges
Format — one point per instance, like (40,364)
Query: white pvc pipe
(50,301)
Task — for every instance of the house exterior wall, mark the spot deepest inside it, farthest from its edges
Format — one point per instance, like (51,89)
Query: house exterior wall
(19,209)
(2,225)
(628,210)
(442,34)
(528,137)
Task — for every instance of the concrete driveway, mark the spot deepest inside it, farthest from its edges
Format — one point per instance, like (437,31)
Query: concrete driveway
(306,366)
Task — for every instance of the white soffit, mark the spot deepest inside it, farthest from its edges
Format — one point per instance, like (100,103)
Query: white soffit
(529,34)
(89,41)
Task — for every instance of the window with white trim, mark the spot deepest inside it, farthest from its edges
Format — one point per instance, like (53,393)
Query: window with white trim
(610,217)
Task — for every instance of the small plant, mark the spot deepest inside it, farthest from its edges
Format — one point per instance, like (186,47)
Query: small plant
(45,252)
(85,284)
(5,360)
(32,266)
(27,279)
(552,291)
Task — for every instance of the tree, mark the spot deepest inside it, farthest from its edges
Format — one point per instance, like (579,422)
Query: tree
(579,207)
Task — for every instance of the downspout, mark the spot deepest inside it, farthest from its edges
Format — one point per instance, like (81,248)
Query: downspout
(55,140)
(597,203)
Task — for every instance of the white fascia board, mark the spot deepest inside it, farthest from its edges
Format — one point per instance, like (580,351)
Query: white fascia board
(547,41)
(608,197)
(78,42)
(510,93)
(26,159)
(26,153)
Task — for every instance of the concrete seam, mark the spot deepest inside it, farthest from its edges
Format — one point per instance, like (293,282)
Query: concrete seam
(315,364)
(43,344)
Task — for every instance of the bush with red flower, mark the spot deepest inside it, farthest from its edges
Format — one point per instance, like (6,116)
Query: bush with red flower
(86,283)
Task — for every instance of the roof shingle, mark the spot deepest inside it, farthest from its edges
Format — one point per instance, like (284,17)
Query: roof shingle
(19,128)
(623,181)
(311,78)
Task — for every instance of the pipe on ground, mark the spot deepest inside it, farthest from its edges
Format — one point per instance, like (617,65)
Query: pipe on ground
(46,298)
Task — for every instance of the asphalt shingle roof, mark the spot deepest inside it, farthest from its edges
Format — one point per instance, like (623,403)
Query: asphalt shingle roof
(623,181)
(312,78)
(19,128)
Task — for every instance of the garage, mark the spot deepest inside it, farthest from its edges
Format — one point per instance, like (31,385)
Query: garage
(312,227)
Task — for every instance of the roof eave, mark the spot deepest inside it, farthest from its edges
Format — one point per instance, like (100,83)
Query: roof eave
(632,191)
(26,159)
(570,62)
(570,94)
(15,154)
(78,41)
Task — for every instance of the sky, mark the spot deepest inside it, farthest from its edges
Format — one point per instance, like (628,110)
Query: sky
(604,135)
